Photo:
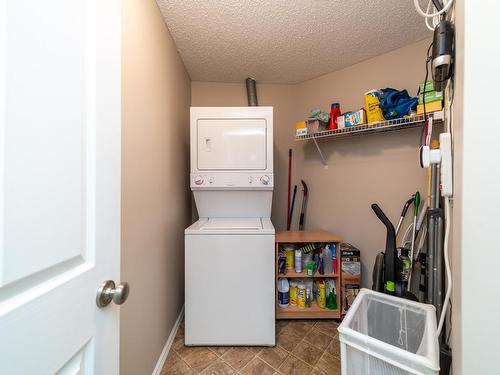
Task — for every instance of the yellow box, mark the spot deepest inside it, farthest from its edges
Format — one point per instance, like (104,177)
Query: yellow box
(372,107)
(300,128)
(429,107)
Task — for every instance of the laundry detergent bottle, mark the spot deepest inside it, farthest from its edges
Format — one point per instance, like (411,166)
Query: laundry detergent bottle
(283,293)
(334,115)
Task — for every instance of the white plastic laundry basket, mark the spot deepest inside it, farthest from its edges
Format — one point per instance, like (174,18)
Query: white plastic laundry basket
(385,335)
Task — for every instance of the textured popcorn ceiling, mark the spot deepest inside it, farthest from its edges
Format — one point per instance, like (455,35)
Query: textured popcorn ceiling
(285,41)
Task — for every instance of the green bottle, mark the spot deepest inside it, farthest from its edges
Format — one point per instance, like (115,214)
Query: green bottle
(331,299)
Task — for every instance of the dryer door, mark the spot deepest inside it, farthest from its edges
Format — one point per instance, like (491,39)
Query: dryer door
(232,144)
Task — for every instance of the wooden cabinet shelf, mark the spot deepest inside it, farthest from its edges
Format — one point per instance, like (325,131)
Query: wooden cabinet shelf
(306,237)
(313,312)
(303,275)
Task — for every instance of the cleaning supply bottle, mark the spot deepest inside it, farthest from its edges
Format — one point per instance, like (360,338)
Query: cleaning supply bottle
(309,292)
(333,247)
(310,268)
(298,260)
(334,114)
(321,298)
(327,260)
(283,293)
(293,292)
(301,295)
(331,299)
(321,263)
(281,263)
(289,249)
(307,256)
(316,260)
(308,297)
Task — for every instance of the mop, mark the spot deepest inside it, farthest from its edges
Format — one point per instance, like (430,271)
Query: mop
(403,214)
(289,188)
(304,205)
(290,217)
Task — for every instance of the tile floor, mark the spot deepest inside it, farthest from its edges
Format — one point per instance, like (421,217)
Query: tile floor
(304,347)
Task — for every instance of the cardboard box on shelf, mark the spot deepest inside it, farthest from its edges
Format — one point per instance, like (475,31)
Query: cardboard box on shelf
(300,128)
(427,86)
(429,107)
(350,258)
(372,106)
(430,96)
(352,119)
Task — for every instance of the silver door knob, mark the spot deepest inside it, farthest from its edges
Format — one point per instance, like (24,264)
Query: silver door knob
(108,292)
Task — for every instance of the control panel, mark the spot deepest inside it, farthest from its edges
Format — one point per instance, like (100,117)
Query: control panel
(231,180)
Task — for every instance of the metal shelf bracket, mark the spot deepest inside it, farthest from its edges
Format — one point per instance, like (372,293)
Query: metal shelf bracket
(323,160)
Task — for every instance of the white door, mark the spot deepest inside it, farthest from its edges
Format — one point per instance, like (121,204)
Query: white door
(59,185)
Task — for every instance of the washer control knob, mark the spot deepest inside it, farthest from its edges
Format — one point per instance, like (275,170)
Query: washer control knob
(198,180)
(265,180)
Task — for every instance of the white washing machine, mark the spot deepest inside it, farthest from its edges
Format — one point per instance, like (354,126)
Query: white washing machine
(230,259)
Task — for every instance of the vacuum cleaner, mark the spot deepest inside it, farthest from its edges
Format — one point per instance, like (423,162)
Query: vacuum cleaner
(392,267)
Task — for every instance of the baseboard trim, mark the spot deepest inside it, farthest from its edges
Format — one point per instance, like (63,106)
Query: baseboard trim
(168,344)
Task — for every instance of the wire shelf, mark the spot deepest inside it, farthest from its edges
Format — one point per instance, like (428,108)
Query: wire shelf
(376,127)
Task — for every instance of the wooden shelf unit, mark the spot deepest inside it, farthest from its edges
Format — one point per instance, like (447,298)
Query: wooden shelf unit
(313,312)
(302,275)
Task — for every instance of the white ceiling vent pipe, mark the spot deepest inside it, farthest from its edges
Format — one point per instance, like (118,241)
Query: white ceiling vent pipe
(251,92)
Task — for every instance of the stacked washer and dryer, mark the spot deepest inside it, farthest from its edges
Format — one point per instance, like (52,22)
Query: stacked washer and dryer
(230,258)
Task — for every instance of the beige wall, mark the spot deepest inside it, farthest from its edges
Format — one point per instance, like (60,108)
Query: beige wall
(380,168)
(155,200)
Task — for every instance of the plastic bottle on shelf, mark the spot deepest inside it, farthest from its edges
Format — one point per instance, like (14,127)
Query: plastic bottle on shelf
(321,298)
(333,247)
(289,249)
(306,258)
(298,260)
(309,292)
(327,260)
(283,293)
(310,268)
(331,294)
(293,292)
(334,114)
(281,263)
(321,264)
(301,295)
(309,284)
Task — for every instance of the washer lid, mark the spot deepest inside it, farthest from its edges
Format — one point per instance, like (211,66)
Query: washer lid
(231,226)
